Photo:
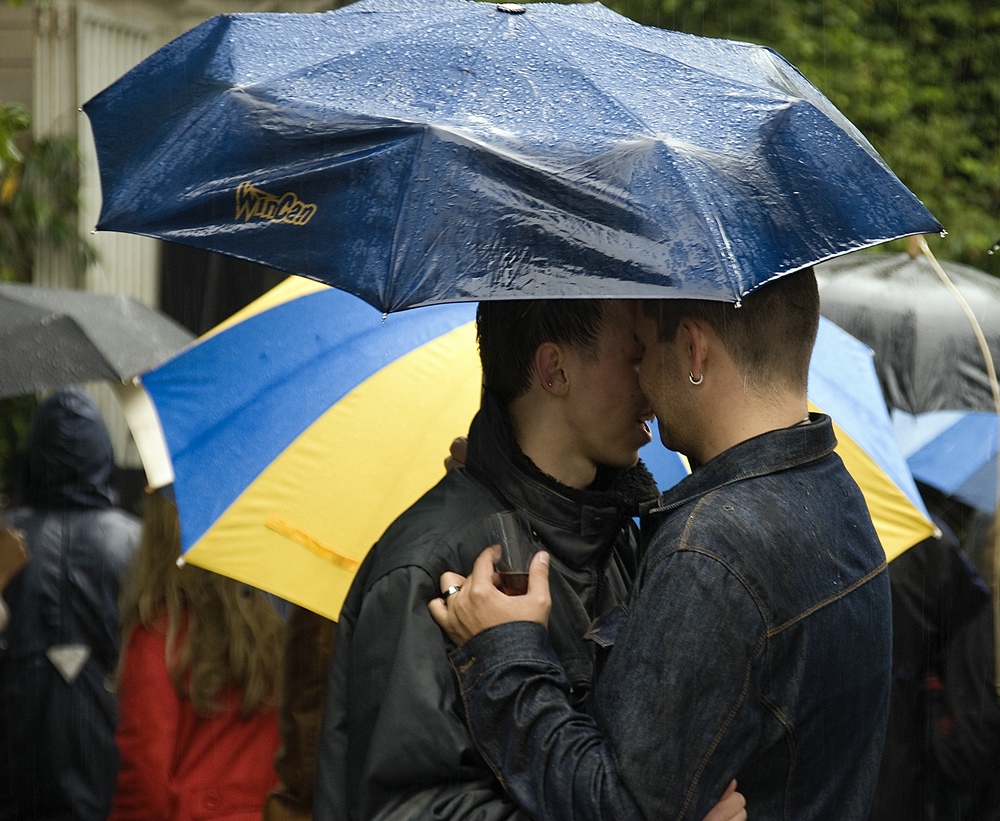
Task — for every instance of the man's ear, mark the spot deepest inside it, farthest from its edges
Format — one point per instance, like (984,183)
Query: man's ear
(549,367)
(694,336)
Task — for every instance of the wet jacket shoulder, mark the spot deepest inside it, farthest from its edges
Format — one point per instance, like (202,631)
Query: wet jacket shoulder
(394,742)
(61,647)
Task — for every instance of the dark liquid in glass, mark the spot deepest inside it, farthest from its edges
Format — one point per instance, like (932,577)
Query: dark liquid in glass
(513,584)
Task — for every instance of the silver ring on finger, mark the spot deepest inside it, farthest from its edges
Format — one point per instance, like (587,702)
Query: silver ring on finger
(450,592)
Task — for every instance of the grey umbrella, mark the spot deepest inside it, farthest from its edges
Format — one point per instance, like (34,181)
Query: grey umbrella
(926,352)
(51,337)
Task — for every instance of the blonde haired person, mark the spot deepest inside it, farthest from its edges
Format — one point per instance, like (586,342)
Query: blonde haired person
(198,687)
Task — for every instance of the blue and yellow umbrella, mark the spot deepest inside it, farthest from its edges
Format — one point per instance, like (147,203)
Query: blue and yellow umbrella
(295,432)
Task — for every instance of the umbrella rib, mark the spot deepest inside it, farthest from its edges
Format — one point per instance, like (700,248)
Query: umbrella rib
(387,294)
(276,385)
(709,70)
(713,227)
(375,38)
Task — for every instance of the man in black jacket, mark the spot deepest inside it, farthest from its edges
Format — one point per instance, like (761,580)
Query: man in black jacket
(557,437)
(58,655)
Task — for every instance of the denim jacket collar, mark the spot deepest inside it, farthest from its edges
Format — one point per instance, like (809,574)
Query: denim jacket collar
(770,452)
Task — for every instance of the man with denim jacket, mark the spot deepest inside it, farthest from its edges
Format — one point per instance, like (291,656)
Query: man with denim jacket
(757,636)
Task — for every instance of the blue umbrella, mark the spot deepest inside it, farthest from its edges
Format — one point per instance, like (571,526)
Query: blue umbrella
(421,151)
(954,452)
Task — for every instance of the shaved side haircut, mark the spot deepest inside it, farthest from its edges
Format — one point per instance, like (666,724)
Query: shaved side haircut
(770,336)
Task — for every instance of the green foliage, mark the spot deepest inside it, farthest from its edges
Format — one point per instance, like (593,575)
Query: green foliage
(13,121)
(919,79)
(15,418)
(39,197)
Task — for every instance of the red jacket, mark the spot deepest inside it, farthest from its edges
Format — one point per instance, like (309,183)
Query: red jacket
(177,765)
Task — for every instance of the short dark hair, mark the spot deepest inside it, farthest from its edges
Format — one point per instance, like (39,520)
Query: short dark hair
(510,331)
(770,336)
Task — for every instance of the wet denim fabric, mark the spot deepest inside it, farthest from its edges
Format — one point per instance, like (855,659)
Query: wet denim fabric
(756,644)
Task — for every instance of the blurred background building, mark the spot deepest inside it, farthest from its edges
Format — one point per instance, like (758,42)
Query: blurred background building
(55,55)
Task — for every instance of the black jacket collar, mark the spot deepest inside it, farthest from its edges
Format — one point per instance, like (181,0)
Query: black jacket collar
(570,521)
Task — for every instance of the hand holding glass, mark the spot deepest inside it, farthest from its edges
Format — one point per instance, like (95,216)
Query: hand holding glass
(510,529)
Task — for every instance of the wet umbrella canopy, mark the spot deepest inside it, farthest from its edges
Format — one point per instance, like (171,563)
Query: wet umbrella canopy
(422,151)
(954,452)
(52,337)
(926,352)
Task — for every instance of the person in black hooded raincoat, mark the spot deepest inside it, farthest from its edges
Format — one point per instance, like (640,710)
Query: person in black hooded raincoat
(60,649)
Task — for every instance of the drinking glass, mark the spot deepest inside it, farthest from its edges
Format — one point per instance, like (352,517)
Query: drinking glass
(511,530)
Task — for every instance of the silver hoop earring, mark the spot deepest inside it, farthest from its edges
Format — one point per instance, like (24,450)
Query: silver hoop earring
(699,380)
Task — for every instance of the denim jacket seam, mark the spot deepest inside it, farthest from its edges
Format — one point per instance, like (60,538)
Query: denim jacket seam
(730,718)
(711,554)
(468,721)
(855,585)
(468,680)
(744,582)
(770,631)
(684,546)
(789,727)
(474,671)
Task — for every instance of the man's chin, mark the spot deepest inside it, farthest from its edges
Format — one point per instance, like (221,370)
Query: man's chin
(633,457)
(662,430)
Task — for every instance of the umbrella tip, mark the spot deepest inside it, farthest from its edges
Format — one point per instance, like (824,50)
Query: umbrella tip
(994,247)
(510,8)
